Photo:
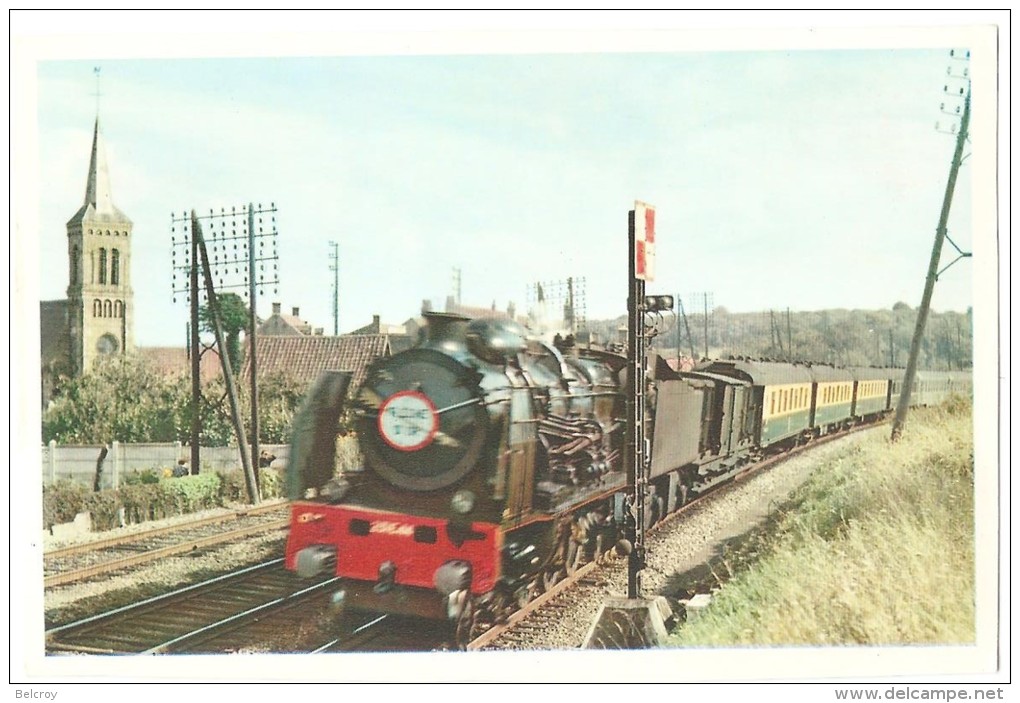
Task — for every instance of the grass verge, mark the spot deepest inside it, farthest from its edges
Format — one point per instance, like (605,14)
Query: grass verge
(875,549)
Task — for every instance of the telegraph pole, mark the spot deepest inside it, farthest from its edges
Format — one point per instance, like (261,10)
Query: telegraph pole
(196,382)
(228,374)
(240,260)
(933,272)
(334,266)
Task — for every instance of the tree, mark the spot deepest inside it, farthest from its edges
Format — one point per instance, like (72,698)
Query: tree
(125,399)
(234,319)
(122,398)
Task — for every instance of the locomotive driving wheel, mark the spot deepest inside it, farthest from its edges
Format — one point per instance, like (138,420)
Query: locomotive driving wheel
(576,557)
(552,576)
(469,623)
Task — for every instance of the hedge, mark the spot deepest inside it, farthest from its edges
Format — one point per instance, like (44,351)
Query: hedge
(150,495)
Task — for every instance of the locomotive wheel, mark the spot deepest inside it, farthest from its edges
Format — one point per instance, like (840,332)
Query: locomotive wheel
(682,494)
(576,557)
(551,577)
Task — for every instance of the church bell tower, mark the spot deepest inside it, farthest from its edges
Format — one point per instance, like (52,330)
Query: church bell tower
(99,296)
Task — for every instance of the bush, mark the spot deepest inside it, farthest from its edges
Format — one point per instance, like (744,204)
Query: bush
(189,494)
(146,495)
(62,501)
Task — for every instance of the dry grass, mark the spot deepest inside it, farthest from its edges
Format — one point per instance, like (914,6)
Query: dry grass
(876,550)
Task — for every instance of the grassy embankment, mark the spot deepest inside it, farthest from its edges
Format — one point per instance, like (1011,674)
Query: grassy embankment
(876,549)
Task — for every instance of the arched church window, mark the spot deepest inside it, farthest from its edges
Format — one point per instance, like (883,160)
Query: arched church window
(74,265)
(118,308)
(115,268)
(97,308)
(107,308)
(102,265)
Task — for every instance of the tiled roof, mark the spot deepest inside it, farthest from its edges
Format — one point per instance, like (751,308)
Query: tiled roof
(304,358)
(171,361)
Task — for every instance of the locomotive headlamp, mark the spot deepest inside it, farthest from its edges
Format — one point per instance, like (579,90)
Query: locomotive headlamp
(658,303)
(463,502)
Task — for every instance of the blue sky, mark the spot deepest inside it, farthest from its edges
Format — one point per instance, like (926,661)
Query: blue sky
(785,173)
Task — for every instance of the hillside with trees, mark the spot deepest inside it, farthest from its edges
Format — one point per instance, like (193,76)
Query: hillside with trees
(841,337)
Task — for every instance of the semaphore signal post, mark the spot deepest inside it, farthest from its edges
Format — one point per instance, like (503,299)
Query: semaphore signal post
(635,621)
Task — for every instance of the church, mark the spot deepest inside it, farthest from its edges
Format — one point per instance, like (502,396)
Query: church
(97,317)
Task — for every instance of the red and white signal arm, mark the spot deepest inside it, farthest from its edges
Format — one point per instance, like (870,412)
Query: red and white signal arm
(644,241)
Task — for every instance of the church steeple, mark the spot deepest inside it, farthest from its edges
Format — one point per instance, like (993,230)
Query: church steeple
(98,203)
(97,191)
(100,298)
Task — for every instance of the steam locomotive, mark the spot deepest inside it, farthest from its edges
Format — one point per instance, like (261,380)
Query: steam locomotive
(493,461)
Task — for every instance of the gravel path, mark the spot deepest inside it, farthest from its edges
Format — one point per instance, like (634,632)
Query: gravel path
(675,552)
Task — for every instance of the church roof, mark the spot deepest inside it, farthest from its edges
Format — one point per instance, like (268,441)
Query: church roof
(98,206)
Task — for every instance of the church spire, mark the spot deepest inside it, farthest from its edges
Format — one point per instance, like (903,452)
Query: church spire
(97,190)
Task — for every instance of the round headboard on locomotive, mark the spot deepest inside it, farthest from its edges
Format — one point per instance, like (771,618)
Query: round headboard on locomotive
(428,426)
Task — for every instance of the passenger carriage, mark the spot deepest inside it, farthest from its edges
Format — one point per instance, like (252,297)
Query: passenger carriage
(780,400)
(834,395)
(871,392)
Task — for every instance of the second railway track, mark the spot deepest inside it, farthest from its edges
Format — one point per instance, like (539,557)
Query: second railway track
(89,559)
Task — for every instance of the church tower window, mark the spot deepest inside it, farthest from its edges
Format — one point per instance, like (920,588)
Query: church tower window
(115,268)
(102,265)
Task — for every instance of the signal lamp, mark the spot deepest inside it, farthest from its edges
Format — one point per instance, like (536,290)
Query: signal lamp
(658,303)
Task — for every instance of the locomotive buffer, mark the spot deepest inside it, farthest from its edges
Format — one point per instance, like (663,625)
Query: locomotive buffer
(635,622)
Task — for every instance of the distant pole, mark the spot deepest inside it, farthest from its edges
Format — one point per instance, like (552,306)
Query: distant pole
(892,350)
(706,324)
(789,337)
(678,337)
(933,268)
(334,266)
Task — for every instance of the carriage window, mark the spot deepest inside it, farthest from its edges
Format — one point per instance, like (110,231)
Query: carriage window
(772,403)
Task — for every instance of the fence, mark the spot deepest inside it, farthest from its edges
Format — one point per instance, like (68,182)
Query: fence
(78,462)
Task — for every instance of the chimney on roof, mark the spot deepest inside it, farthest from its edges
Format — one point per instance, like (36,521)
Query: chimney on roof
(426,306)
(375,323)
(318,331)
(296,312)
(276,308)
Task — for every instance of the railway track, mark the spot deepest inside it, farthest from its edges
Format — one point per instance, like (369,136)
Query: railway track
(83,561)
(260,609)
(224,614)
